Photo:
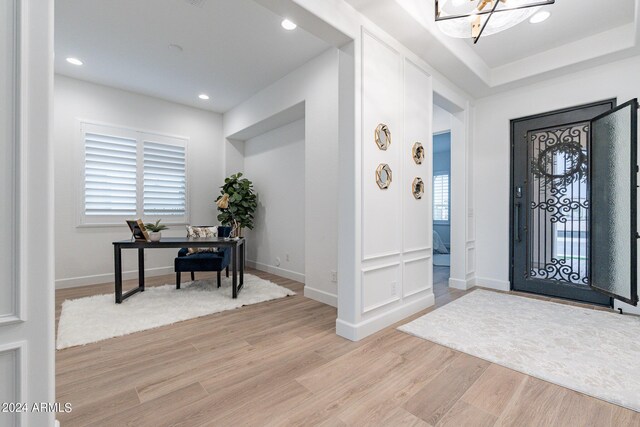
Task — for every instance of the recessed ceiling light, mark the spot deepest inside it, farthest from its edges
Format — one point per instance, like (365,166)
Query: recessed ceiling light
(203,96)
(288,25)
(540,17)
(74,61)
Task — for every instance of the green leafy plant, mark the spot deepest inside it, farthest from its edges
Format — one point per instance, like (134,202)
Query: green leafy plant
(155,227)
(237,203)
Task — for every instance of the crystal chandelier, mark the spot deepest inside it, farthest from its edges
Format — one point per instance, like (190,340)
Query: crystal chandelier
(473,18)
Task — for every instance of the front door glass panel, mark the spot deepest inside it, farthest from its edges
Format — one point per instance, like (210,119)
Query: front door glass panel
(558,228)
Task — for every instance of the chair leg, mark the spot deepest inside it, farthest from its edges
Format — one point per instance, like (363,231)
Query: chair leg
(227,271)
(177,280)
(219,279)
(193,276)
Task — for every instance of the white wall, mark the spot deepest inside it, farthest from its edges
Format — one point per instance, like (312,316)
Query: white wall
(394,251)
(441,120)
(491,176)
(274,161)
(85,255)
(356,95)
(316,85)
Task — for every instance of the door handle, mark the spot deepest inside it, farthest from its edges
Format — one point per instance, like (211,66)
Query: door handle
(516,223)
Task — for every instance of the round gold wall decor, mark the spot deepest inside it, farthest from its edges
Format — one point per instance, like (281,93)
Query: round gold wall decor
(383,176)
(417,188)
(418,153)
(383,136)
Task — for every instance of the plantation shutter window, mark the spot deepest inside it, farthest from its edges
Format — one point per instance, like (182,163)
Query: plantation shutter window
(129,174)
(441,197)
(110,175)
(164,179)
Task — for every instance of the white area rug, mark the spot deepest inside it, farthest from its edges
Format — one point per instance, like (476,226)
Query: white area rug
(96,318)
(592,352)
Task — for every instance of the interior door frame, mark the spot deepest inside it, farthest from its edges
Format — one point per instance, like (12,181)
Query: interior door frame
(27,331)
(612,102)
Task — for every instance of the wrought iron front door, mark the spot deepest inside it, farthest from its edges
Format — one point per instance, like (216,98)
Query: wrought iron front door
(550,203)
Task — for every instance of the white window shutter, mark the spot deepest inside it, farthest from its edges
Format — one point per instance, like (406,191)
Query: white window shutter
(110,175)
(441,197)
(164,180)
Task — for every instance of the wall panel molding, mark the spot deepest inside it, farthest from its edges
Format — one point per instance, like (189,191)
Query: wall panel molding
(381,209)
(381,256)
(470,252)
(427,249)
(423,273)
(13,389)
(378,286)
(13,125)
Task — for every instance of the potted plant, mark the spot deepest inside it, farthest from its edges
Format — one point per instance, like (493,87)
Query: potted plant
(155,230)
(237,204)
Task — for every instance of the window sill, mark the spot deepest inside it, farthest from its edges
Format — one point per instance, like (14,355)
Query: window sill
(124,224)
(121,222)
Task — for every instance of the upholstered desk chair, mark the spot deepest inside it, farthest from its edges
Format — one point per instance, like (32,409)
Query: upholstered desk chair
(204,261)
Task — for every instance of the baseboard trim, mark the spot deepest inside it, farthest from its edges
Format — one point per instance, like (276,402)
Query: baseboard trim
(500,285)
(74,282)
(321,296)
(356,332)
(463,285)
(287,274)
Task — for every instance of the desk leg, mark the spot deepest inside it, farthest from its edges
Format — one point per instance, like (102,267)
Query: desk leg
(234,269)
(117,256)
(141,269)
(243,255)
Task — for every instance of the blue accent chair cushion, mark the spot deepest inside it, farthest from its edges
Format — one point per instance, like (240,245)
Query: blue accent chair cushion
(203,261)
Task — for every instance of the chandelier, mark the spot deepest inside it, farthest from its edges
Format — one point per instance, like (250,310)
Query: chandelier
(473,18)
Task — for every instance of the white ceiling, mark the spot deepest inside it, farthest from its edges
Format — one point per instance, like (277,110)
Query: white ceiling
(231,48)
(579,34)
(570,20)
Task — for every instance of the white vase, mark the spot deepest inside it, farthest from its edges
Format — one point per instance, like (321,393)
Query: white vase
(155,237)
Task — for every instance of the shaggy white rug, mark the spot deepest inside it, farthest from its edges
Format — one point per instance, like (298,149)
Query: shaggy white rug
(96,318)
(592,352)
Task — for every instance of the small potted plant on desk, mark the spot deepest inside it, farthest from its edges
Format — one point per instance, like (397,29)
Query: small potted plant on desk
(237,204)
(155,230)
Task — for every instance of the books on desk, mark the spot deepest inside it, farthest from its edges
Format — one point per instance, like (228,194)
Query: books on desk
(138,230)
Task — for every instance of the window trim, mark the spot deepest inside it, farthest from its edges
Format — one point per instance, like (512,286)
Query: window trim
(86,221)
(448,174)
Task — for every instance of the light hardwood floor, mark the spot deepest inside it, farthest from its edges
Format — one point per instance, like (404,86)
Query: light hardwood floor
(280,363)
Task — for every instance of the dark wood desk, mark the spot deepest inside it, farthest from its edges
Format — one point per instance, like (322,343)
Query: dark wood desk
(237,258)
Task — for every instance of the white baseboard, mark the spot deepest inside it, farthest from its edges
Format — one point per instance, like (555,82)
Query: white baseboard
(356,332)
(462,284)
(312,293)
(500,285)
(74,282)
(288,274)
(321,296)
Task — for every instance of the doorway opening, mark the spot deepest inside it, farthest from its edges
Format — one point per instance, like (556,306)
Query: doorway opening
(277,242)
(441,198)
(452,223)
